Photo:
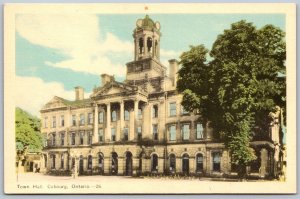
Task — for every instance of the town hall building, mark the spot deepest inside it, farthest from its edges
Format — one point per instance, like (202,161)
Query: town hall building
(138,126)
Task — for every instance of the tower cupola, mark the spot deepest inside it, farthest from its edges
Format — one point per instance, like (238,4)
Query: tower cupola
(146,39)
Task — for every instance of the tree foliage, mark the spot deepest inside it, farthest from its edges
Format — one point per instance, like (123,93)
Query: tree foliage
(239,87)
(27,128)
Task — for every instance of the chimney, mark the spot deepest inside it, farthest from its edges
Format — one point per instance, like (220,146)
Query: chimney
(105,78)
(79,93)
(173,69)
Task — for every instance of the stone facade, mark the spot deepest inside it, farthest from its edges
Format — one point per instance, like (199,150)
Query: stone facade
(139,126)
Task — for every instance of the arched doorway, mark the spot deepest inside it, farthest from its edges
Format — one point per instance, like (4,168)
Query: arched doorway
(185,164)
(154,163)
(100,163)
(80,165)
(128,164)
(114,163)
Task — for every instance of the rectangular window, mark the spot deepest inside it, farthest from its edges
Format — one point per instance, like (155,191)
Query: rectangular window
(90,138)
(53,122)
(62,139)
(114,116)
(81,138)
(126,131)
(172,130)
(155,111)
(53,139)
(183,111)
(90,118)
(73,136)
(172,109)
(155,132)
(100,134)
(113,134)
(199,162)
(139,132)
(216,160)
(46,122)
(81,119)
(62,120)
(185,130)
(199,131)
(73,120)
(140,114)
(126,115)
(101,117)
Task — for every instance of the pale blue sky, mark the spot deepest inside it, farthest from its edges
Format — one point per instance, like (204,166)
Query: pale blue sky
(58,53)
(178,33)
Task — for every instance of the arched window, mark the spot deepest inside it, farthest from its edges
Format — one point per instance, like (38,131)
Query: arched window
(154,162)
(114,116)
(149,44)
(172,163)
(141,45)
(199,162)
(90,162)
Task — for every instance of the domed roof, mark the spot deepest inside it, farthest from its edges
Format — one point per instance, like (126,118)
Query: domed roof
(147,24)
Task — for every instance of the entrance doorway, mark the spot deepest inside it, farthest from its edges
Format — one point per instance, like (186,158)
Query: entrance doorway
(185,164)
(81,165)
(154,167)
(128,164)
(114,163)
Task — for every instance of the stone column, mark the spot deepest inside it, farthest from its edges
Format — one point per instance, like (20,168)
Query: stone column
(160,164)
(107,164)
(121,165)
(135,165)
(192,165)
(146,119)
(224,162)
(131,125)
(178,164)
(95,134)
(119,135)
(264,162)
(108,114)
(207,166)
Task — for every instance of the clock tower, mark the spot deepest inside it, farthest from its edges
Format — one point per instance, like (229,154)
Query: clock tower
(146,64)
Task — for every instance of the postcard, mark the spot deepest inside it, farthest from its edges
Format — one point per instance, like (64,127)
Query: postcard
(181,98)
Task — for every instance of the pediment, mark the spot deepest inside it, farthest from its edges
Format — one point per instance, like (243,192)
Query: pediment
(113,89)
(55,102)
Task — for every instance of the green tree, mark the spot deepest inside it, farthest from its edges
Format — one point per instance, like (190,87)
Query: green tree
(239,87)
(27,132)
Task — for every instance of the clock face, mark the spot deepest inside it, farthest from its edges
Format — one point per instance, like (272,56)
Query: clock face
(157,25)
(139,23)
